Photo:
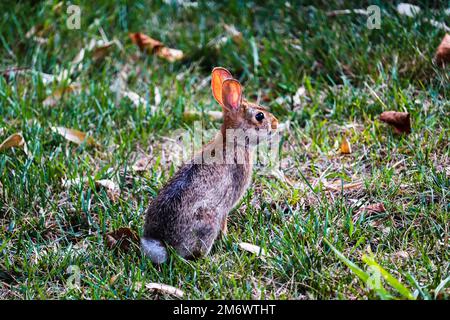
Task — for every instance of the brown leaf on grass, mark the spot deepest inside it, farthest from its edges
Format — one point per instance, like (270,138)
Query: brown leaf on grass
(345,147)
(153,46)
(114,278)
(337,186)
(372,208)
(399,120)
(142,164)
(13,141)
(170,54)
(252,248)
(404,255)
(123,238)
(74,136)
(101,51)
(112,189)
(164,288)
(79,57)
(144,42)
(53,99)
(234,33)
(442,56)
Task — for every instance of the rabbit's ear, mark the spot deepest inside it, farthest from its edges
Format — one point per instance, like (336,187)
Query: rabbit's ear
(231,94)
(219,75)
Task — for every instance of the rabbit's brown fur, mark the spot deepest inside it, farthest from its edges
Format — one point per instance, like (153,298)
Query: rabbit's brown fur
(193,206)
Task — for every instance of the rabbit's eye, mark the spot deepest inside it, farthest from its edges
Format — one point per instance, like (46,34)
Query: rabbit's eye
(259,116)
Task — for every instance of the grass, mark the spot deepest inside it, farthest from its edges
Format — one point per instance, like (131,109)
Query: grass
(315,237)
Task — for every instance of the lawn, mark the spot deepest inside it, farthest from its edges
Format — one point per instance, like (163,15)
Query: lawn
(371,224)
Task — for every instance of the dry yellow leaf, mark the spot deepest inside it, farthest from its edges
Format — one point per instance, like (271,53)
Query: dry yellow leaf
(14,140)
(53,99)
(114,278)
(124,238)
(144,42)
(142,164)
(164,288)
(338,187)
(73,135)
(169,54)
(442,56)
(153,46)
(345,146)
(100,52)
(234,33)
(252,248)
(113,189)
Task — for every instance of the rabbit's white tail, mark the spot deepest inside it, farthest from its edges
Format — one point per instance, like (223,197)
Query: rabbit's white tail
(154,249)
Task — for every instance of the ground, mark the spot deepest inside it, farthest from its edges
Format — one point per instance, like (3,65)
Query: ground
(55,239)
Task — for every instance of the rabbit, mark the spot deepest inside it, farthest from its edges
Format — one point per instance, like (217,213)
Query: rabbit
(192,208)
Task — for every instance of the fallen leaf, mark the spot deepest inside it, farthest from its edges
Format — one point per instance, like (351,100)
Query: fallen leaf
(412,11)
(134,97)
(14,140)
(153,46)
(122,238)
(100,52)
(157,97)
(347,11)
(144,42)
(399,120)
(401,254)
(337,186)
(372,208)
(298,97)
(345,146)
(170,54)
(114,278)
(141,164)
(74,135)
(56,96)
(252,248)
(442,56)
(234,33)
(408,9)
(68,183)
(164,288)
(113,189)
(79,57)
